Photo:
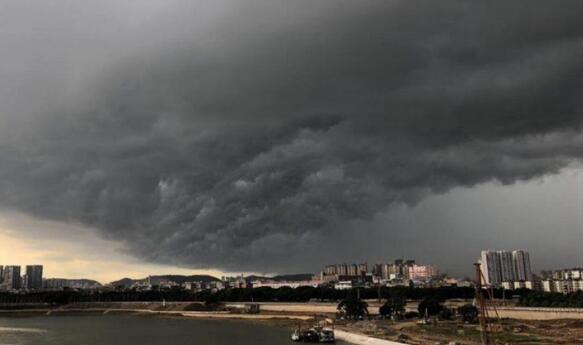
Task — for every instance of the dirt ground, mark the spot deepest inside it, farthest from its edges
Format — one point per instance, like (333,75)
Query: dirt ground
(453,332)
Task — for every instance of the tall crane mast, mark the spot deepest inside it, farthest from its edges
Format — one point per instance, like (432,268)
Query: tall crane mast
(484,318)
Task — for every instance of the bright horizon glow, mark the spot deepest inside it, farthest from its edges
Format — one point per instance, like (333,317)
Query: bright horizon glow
(74,253)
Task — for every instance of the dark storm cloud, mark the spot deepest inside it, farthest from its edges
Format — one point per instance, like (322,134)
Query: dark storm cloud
(246,140)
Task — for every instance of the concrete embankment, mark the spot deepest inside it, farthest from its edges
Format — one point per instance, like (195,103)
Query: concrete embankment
(360,339)
(522,313)
(190,314)
(309,308)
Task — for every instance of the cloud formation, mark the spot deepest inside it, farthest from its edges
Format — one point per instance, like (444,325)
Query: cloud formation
(242,135)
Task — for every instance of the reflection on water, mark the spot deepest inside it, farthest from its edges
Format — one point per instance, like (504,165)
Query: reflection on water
(4,330)
(132,330)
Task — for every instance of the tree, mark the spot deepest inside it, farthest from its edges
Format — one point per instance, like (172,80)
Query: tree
(431,305)
(446,314)
(469,313)
(386,309)
(211,300)
(411,315)
(395,305)
(353,307)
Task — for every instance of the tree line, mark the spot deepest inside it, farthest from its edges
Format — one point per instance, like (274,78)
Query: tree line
(262,294)
(551,300)
(352,307)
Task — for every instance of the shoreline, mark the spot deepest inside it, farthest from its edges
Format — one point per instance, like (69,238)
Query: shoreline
(281,320)
(209,315)
(290,315)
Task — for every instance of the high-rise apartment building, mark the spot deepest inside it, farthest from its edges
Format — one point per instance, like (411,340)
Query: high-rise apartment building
(330,270)
(500,266)
(491,268)
(521,263)
(422,272)
(362,269)
(507,273)
(377,270)
(352,270)
(386,271)
(12,278)
(34,277)
(400,269)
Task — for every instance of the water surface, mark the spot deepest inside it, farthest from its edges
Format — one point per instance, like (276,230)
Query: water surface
(136,330)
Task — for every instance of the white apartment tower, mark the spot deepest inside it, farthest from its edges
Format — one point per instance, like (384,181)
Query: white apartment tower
(491,267)
(504,266)
(507,272)
(521,263)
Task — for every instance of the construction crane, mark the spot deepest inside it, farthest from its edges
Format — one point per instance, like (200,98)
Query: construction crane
(485,325)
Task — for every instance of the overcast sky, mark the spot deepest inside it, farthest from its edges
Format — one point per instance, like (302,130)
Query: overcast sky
(279,136)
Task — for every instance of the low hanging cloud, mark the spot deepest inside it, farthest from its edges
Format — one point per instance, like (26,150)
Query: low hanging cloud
(245,140)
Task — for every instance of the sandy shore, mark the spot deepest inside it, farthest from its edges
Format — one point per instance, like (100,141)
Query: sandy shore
(360,339)
(190,314)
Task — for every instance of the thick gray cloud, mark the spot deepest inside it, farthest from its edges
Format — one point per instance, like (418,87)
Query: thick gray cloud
(247,135)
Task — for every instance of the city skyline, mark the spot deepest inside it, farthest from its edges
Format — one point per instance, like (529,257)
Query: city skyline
(123,265)
(273,136)
(494,269)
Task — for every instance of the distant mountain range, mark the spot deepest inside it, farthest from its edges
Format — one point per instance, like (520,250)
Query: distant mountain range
(71,283)
(179,279)
(155,280)
(282,277)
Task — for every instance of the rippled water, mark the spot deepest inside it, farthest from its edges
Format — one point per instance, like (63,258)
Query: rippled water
(133,330)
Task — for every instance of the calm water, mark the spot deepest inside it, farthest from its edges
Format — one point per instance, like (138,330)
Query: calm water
(132,330)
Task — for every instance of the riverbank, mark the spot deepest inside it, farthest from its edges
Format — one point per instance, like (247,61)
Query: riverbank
(188,314)
(280,320)
(355,338)
(520,324)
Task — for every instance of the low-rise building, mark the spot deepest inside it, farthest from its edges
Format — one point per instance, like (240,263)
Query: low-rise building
(279,284)
(328,277)
(238,282)
(562,285)
(399,269)
(343,285)
(529,284)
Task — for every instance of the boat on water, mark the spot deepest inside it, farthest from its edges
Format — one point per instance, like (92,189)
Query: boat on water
(313,335)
